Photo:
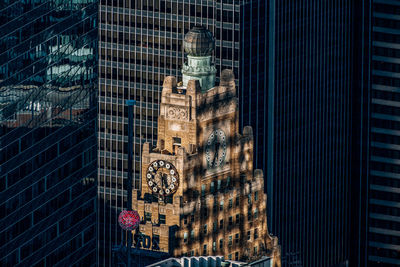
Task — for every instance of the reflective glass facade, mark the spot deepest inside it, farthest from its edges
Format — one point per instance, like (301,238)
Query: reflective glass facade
(378,183)
(48,116)
(309,108)
(141,43)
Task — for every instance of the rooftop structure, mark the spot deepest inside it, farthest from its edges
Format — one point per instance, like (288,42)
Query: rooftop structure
(210,261)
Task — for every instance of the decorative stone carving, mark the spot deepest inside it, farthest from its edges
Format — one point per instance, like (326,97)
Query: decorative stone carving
(177,113)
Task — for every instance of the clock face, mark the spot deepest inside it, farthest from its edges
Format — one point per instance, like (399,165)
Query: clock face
(216,149)
(162,177)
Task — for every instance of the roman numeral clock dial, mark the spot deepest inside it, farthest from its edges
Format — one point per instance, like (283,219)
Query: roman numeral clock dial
(162,178)
(216,149)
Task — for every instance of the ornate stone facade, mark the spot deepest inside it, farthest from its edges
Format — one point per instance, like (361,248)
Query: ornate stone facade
(199,193)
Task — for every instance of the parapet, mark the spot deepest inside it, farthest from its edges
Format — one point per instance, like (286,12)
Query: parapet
(227,78)
(169,84)
(248,131)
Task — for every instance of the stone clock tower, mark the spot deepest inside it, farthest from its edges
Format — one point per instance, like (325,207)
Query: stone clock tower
(199,193)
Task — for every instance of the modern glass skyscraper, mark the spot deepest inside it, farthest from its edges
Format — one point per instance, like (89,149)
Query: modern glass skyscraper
(48,111)
(140,44)
(309,127)
(377,233)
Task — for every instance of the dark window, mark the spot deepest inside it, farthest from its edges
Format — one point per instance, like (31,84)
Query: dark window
(147,216)
(162,218)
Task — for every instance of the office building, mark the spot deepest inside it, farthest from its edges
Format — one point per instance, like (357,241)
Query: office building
(377,139)
(140,44)
(48,112)
(200,193)
(308,171)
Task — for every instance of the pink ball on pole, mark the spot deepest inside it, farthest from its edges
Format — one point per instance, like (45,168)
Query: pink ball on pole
(129,219)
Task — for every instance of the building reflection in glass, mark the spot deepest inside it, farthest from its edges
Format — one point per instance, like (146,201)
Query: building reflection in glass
(48,110)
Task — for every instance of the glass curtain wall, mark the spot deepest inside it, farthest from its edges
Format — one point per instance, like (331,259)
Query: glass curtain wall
(48,116)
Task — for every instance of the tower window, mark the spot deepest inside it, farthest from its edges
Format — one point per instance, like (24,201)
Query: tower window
(204,211)
(176,144)
(205,249)
(192,234)
(255,233)
(147,216)
(203,190)
(162,218)
(185,236)
(177,141)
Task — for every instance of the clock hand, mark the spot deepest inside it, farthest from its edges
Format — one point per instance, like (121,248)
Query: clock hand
(216,146)
(164,178)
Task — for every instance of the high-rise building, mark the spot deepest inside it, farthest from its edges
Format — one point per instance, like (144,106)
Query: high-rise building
(299,50)
(200,193)
(48,115)
(309,126)
(377,137)
(140,44)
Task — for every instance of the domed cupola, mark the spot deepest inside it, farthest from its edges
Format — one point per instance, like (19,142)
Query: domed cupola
(199,44)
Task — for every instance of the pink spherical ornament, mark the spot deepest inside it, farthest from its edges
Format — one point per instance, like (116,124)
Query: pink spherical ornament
(129,219)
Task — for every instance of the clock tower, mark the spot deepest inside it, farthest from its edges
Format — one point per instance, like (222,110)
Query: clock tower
(199,193)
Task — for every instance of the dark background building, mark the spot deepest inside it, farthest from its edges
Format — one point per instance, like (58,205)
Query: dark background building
(376,187)
(309,144)
(48,148)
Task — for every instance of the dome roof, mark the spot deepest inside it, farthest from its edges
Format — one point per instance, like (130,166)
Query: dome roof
(199,42)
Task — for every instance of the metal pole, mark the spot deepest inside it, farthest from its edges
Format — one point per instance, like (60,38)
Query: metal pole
(130,104)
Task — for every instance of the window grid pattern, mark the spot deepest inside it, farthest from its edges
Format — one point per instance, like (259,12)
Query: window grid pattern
(48,115)
(310,161)
(383,184)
